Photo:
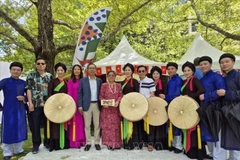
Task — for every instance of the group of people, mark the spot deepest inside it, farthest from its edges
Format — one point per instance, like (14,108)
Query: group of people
(200,83)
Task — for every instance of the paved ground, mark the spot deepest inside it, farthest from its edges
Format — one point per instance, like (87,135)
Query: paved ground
(104,154)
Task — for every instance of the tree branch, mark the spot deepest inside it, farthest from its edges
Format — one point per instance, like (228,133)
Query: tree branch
(59,22)
(105,38)
(19,29)
(213,26)
(64,48)
(221,44)
(26,10)
(179,21)
(16,43)
(122,23)
(133,11)
(35,3)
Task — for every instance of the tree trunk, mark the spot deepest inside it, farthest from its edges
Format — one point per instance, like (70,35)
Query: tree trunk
(45,34)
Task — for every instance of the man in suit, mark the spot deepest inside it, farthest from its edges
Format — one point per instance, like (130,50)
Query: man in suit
(89,105)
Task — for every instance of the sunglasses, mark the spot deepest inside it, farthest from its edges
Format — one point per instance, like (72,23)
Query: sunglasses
(41,63)
(141,71)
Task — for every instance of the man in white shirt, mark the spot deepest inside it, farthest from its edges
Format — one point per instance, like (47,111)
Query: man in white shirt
(147,89)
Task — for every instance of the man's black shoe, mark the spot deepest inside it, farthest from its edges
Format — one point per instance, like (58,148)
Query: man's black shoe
(87,147)
(7,157)
(97,146)
(35,150)
(208,157)
(177,151)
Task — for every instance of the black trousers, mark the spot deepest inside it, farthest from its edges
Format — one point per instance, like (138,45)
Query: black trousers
(158,137)
(137,137)
(36,119)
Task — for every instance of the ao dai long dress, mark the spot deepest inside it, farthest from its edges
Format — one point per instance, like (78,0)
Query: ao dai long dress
(194,89)
(80,139)
(158,134)
(14,125)
(228,139)
(136,140)
(55,127)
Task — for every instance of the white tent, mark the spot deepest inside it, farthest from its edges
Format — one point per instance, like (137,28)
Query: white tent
(4,73)
(123,54)
(200,48)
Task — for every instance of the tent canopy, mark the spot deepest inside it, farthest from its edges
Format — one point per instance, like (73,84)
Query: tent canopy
(4,70)
(4,73)
(122,54)
(199,48)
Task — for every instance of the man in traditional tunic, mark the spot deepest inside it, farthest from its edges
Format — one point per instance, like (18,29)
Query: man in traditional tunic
(198,73)
(174,90)
(37,93)
(14,126)
(213,84)
(232,81)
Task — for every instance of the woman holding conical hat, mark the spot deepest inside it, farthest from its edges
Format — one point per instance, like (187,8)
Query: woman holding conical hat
(158,136)
(193,88)
(58,85)
(131,138)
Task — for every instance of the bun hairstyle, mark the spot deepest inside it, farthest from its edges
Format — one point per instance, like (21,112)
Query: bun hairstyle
(156,68)
(130,66)
(190,65)
(60,65)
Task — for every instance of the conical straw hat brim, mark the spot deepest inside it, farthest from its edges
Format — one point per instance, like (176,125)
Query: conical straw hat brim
(133,106)
(59,108)
(157,111)
(182,112)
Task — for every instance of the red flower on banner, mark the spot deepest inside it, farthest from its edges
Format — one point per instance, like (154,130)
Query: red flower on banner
(99,71)
(118,69)
(108,68)
(164,69)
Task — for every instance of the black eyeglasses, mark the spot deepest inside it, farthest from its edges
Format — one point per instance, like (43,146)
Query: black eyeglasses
(41,63)
(141,71)
(111,75)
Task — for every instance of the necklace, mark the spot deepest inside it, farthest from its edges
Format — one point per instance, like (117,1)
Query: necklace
(111,88)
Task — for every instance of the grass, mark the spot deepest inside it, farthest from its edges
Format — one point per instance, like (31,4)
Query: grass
(27,147)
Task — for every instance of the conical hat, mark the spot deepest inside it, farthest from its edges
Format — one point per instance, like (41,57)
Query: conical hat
(182,112)
(60,108)
(157,111)
(133,106)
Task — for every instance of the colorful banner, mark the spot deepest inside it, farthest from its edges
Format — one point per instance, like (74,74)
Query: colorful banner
(89,37)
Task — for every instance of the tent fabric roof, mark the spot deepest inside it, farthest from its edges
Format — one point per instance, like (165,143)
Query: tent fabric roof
(124,53)
(4,73)
(4,69)
(200,47)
